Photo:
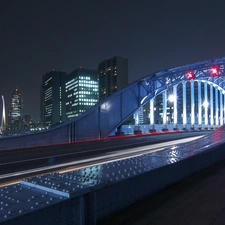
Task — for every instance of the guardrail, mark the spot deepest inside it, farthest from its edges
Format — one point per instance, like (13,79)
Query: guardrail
(63,135)
(86,195)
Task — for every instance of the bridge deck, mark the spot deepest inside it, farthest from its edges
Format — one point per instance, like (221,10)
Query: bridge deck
(198,199)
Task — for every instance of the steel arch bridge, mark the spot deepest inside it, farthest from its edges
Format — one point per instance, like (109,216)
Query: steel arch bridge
(109,114)
(100,120)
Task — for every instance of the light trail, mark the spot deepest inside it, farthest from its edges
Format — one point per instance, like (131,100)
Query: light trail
(105,158)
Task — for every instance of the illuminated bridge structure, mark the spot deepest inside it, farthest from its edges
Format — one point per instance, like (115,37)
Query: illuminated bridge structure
(89,194)
(108,115)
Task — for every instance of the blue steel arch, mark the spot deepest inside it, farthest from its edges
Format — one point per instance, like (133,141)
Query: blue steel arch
(100,120)
(111,112)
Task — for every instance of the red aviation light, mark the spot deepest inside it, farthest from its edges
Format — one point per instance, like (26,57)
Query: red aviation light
(214,71)
(190,75)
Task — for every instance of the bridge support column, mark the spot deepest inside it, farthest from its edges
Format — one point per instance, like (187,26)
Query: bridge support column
(206,104)
(224,107)
(199,105)
(221,108)
(164,128)
(184,106)
(217,107)
(151,116)
(175,107)
(192,105)
(211,107)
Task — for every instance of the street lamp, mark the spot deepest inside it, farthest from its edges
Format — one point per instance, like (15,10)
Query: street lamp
(172,98)
(205,104)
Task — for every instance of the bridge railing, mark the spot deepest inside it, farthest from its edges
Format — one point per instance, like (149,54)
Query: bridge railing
(63,135)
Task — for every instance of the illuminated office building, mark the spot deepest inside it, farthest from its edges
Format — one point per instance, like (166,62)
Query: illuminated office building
(81,90)
(52,98)
(113,75)
(15,110)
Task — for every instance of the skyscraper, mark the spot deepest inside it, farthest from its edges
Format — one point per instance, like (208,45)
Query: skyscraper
(113,75)
(81,90)
(15,110)
(52,90)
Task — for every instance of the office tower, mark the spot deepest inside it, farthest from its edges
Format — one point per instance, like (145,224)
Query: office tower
(15,111)
(113,75)
(52,91)
(81,91)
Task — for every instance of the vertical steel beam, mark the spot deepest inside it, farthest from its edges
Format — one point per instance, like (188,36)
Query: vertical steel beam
(151,116)
(164,107)
(184,104)
(221,108)
(199,103)
(217,107)
(211,106)
(175,105)
(206,103)
(192,103)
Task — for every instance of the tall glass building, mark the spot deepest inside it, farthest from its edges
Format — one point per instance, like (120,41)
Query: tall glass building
(113,75)
(15,111)
(52,91)
(81,91)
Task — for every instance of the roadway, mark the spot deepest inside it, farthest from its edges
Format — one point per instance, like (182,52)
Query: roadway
(17,164)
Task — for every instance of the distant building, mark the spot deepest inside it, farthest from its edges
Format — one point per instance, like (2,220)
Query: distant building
(28,122)
(113,75)
(81,90)
(145,114)
(15,111)
(52,91)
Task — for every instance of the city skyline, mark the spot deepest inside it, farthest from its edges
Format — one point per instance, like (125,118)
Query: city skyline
(37,38)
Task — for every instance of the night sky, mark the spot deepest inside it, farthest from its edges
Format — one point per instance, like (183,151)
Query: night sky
(38,36)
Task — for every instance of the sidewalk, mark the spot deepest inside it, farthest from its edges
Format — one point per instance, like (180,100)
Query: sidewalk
(197,200)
